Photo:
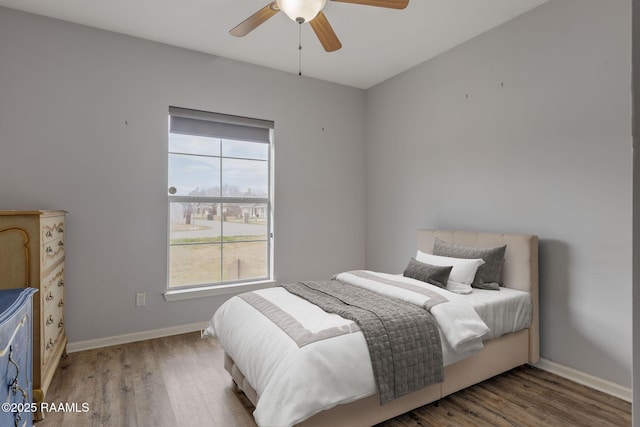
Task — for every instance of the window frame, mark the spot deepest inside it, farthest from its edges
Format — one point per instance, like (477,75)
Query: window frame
(264,135)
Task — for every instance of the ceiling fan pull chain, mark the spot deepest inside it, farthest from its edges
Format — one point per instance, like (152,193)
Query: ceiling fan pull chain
(300,47)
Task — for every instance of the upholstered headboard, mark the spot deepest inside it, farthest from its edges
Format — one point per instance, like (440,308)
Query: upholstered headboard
(520,269)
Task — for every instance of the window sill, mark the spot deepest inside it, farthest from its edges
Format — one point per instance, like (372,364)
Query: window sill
(210,291)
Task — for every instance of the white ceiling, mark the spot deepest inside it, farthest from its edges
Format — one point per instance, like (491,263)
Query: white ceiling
(377,43)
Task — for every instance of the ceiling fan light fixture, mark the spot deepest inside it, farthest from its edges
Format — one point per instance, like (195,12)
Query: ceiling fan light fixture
(301,10)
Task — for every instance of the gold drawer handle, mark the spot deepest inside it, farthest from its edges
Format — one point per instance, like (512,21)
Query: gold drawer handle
(61,283)
(50,343)
(61,303)
(48,250)
(61,324)
(49,320)
(61,243)
(60,229)
(49,296)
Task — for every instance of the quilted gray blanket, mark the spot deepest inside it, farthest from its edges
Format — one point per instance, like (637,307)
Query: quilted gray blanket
(403,339)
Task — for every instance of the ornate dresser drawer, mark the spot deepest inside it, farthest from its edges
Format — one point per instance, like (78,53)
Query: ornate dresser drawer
(53,322)
(54,282)
(16,348)
(52,228)
(52,254)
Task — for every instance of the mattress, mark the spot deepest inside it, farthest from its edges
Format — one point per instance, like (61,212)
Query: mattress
(504,311)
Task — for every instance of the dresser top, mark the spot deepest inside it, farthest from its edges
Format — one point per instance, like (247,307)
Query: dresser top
(37,212)
(10,298)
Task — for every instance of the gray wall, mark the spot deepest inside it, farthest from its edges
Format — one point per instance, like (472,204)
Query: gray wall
(526,129)
(83,127)
(636,210)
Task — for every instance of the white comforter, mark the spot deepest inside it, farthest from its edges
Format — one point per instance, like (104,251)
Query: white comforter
(295,382)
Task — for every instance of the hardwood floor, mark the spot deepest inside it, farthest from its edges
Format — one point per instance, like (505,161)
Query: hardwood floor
(179,381)
(525,396)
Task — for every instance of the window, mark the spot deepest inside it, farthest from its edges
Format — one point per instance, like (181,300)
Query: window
(219,197)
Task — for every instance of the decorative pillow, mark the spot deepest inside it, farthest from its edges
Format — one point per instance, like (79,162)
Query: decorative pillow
(462,273)
(488,275)
(428,273)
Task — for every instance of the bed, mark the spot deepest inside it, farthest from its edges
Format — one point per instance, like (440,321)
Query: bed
(258,354)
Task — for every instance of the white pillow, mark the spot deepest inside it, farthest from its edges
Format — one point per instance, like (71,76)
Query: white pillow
(462,273)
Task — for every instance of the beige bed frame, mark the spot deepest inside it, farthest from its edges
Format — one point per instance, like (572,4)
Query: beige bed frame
(520,271)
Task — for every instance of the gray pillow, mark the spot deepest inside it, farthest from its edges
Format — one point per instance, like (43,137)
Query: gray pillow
(488,274)
(428,273)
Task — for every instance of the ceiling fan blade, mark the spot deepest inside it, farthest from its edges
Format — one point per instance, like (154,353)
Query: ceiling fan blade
(391,4)
(250,24)
(325,33)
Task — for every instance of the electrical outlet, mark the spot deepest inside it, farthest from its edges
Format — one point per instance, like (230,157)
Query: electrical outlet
(141,299)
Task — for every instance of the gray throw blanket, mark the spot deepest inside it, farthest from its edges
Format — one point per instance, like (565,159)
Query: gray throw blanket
(403,340)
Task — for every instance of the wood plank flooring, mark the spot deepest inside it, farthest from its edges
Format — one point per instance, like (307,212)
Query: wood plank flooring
(180,381)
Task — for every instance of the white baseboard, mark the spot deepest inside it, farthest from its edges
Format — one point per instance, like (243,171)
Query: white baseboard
(73,347)
(599,384)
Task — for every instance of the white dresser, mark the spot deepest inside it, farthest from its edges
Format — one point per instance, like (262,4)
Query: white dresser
(32,254)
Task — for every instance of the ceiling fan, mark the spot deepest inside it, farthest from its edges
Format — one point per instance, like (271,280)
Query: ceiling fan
(310,11)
